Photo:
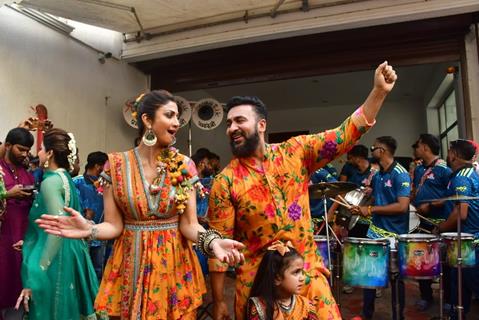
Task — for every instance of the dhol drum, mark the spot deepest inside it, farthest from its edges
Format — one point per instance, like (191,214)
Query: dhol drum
(345,218)
(366,262)
(322,248)
(419,256)
(468,252)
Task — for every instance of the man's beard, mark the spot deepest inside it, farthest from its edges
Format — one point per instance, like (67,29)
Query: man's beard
(248,147)
(16,161)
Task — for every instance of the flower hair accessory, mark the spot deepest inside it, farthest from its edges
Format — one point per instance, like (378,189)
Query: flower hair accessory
(281,247)
(136,106)
(72,146)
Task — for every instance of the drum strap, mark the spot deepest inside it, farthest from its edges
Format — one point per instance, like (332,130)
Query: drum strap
(377,232)
(427,172)
(372,172)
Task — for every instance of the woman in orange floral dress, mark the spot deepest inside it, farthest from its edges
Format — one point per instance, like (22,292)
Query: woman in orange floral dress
(153,273)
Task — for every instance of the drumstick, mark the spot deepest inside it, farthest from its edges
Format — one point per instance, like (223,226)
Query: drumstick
(428,220)
(342,199)
(334,234)
(341,203)
(427,231)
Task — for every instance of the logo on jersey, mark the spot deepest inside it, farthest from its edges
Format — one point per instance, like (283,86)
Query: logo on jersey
(461,188)
(388,183)
(405,184)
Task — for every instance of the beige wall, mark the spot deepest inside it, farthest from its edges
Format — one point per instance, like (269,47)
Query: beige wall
(39,65)
(472,59)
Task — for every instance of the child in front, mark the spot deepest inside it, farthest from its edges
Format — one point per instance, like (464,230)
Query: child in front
(276,287)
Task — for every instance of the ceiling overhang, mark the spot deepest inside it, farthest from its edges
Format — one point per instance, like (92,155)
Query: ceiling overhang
(161,28)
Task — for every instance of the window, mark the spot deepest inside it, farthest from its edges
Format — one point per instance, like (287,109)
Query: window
(447,113)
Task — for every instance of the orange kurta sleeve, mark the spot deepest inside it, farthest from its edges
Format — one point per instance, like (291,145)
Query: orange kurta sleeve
(221,215)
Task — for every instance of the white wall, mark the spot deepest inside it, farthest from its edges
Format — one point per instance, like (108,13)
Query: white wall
(39,65)
(404,120)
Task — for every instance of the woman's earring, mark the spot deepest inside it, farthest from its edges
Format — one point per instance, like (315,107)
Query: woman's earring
(149,138)
(46,164)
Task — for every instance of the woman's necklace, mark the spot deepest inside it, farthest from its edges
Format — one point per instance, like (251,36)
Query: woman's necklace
(287,307)
(172,169)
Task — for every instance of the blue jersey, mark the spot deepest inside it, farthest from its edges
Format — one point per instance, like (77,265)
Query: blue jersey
(388,186)
(465,182)
(362,179)
(430,182)
(317,205)
(90,198)
(202,201)
(332,170)
(348,169)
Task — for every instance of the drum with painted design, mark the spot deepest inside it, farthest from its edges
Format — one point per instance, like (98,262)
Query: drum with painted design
(419,256)
(322,248)
(366,262)
(468,252)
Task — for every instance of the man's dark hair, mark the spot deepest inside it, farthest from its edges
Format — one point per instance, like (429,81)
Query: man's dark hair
(258,106)
(389,142)
(200,154)
(213,155)
(431,141)
(20,136)
(463,148)
(359,150)
(94,158)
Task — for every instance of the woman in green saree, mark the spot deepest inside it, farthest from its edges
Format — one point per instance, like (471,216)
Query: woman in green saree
(57,274)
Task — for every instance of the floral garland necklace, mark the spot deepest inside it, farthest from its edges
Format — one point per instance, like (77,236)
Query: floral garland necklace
(171,163)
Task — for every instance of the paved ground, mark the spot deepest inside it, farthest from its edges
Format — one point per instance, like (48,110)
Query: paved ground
(351,303)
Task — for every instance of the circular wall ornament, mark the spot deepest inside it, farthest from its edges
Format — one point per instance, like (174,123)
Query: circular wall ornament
(207,114)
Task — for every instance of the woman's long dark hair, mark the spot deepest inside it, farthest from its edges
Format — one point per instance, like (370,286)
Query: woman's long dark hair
(149,103)
(57,140)
(271,268)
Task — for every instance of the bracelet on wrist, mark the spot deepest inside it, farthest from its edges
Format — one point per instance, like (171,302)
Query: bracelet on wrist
(205,239)
(93,231)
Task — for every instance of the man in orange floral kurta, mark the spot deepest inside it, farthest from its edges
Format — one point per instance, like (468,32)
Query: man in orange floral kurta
(262,195)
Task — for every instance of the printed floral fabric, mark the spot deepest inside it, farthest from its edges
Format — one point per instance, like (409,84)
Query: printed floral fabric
(302,309)
(259,202)
(153,272)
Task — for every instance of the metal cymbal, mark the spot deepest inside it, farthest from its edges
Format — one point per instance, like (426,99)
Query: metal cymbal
(451,198)
(330,189)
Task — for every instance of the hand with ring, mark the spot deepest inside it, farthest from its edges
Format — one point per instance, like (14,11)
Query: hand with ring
(25,297)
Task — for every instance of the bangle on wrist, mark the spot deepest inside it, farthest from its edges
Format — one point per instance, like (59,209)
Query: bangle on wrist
(93,231)
(370,211)
(205,239)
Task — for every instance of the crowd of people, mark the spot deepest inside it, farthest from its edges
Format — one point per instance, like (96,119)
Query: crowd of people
(145,226)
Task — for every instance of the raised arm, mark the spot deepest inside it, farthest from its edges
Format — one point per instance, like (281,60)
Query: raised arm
(384,79)
(323,147)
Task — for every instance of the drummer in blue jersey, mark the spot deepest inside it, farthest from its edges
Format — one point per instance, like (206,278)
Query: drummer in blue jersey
(391,190)
(464,182)
(360,171)
(430,182)
(430,178)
